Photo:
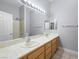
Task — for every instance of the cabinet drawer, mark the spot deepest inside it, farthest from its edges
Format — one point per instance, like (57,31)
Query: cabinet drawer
(48,45)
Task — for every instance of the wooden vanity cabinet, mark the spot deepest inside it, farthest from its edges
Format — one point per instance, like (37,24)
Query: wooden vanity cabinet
(46,51)
(37,54)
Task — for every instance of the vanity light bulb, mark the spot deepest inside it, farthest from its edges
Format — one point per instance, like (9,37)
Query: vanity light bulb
(38,9)
(33,5)
(36,6)
(44,11)
(25,0)
(41,10)
(29,3)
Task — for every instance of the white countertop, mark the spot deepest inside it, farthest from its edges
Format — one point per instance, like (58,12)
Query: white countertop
(18,50)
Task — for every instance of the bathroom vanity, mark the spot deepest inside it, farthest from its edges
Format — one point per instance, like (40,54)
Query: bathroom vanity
(44,47)
(45,51)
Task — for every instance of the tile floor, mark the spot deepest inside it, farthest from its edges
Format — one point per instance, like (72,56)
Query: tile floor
(61,54)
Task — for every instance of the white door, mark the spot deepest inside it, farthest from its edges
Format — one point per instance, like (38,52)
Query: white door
(6,26)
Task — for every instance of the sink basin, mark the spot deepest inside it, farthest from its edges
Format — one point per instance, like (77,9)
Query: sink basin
(31,44)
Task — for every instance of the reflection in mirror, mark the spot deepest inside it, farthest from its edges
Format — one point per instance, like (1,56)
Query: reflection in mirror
(6,26)
(9,20)
(52,25)
(47,25)
(17,19)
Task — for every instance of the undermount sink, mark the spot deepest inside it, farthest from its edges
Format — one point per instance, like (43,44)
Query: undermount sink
(33,42)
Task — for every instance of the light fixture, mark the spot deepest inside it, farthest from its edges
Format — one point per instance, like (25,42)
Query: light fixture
(33,6)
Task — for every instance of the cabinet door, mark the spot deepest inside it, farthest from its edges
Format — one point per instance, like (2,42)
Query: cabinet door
(48,45)
(48,53)
(57,41)
(41,56)
(53,50)
(48,56)
(48,50)
(38,54)
(55,44)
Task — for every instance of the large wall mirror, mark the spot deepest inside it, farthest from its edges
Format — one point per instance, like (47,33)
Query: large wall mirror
(16,19)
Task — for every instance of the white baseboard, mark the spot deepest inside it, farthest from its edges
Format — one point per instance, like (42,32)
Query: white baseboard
(68,50)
